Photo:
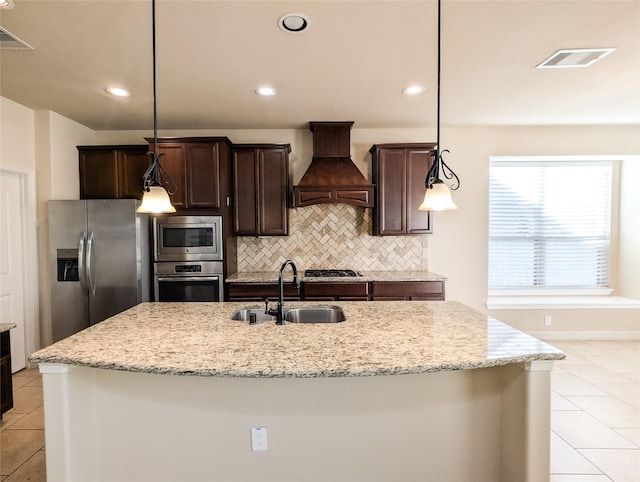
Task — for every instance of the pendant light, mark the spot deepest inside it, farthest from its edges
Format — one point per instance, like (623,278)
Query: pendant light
(438,195)
(155,198)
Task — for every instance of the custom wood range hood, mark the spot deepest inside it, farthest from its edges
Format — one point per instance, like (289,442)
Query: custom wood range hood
(332,176)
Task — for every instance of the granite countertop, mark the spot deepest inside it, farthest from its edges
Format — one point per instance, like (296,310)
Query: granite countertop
(272,277)
(377,338)
(6,327)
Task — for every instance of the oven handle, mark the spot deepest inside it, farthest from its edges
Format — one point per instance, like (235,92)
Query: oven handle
(177,279)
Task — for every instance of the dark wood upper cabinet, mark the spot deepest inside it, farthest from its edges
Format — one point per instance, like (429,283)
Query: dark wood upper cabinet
(260,189)
(199,168)
(399,172)
(112,171)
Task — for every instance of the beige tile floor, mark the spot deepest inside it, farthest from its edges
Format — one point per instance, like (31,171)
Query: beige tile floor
(595,412)
(22,456)
(595,417)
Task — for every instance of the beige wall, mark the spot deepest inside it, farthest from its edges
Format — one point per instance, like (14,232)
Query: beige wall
(458,247)
(629,231)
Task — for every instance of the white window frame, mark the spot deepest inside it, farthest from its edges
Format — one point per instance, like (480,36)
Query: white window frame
(544,293)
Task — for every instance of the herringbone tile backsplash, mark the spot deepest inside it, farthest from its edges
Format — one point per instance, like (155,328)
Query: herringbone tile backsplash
(332,236)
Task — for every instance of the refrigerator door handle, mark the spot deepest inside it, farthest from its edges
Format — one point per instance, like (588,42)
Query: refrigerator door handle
(81,264)
(91,282)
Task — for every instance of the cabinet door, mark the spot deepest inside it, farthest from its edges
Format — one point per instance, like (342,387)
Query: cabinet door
(203,175)
(173,160)
(391,187)
(273,175)
(399,171)
(132,164)
(245,193)
(98,174)
(417,164)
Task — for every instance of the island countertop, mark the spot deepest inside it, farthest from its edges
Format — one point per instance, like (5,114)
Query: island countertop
(377,338)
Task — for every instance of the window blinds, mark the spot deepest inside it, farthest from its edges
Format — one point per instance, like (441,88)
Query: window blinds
(549,224)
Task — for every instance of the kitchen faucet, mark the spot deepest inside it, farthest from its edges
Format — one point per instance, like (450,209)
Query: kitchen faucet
(278,312)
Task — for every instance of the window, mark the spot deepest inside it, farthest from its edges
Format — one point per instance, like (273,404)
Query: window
(549,224)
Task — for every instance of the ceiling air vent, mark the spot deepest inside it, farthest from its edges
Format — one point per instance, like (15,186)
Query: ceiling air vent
(574,58)
(11,42)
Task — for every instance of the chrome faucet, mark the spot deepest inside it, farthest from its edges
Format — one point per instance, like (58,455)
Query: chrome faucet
(278,312)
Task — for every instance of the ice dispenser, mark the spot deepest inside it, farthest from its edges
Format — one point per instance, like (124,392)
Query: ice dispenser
(67,260)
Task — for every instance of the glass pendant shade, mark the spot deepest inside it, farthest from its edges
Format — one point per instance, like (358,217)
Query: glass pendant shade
(156,201)
(438,198)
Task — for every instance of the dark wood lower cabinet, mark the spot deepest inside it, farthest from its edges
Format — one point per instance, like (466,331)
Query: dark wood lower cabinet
(407,290)
(262,291)
(6,382)
(336,291)
(342,291)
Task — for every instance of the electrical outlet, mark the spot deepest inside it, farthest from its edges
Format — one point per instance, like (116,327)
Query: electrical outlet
(258,438)
(547,320)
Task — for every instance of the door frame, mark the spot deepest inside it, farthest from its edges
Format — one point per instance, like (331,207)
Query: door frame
(31,300)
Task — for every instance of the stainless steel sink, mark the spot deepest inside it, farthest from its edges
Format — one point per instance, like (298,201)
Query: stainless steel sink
(310,314)
(247,314)
(315,314)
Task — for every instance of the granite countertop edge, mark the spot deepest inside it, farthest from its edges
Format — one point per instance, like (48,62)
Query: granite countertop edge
(7,326)
(371,372)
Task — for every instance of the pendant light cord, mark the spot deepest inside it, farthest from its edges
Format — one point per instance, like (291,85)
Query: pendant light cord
(156,173)
(155,107)
(438,90)
(433,175)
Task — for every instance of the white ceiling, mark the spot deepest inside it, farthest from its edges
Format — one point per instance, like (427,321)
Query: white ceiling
(350,64)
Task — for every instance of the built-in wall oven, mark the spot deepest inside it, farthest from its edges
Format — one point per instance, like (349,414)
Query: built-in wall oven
(188,258)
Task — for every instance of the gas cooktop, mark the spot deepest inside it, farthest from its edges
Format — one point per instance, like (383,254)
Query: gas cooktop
(331,273)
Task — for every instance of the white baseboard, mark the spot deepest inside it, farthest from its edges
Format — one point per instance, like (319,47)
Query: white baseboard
(586,335)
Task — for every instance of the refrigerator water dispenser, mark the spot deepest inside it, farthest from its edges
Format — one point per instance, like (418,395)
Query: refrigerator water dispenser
(67,261)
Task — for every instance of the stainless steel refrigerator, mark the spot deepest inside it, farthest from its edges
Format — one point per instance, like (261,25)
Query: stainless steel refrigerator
(100,261)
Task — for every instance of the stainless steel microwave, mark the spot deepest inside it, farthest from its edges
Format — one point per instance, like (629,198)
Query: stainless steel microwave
(187,238)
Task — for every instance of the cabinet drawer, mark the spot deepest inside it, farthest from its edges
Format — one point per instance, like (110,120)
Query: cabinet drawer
(253,291)
(409,289)
(340,290)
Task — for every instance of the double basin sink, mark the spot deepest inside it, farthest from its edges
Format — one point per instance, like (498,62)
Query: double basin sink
(311,314)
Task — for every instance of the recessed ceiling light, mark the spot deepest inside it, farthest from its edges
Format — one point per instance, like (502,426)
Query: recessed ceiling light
(574,58)
(293,22)
(266,91)
(118,92)
(413,90)
(6,4)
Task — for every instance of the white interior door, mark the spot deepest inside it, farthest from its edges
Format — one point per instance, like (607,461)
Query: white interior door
(12,265)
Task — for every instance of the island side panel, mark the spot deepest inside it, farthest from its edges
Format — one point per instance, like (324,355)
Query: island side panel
(71,431)
(457,425)
(526,421)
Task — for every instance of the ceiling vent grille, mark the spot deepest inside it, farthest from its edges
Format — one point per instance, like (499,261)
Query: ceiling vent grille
(574,58)
(9,41)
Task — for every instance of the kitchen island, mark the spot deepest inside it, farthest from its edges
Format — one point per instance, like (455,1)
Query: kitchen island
(398,391)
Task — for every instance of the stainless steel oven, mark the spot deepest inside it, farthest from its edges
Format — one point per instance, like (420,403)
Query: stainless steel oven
(187,238)
(188,281)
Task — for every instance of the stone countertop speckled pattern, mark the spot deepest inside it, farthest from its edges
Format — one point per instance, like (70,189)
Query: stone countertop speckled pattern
(6,327)
(377,338)
(272,277)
